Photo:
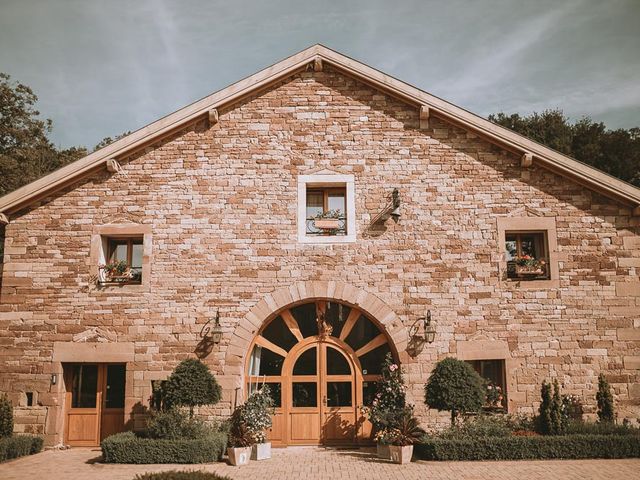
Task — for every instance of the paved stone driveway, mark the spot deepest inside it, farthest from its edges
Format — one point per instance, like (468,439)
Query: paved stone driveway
(308,463)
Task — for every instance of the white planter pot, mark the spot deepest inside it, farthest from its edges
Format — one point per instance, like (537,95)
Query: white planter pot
(261,451)
(239,456)
(382,451)
(401,454)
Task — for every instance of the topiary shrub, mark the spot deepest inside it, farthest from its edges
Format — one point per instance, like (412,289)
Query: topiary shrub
(173,423)
(544,423)
(19,446)
(6,416)
(455,386)
(191,384)
(181,475)
(606,413)
(126,447)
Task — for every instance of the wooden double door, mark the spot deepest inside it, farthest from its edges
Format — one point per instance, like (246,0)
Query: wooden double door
(94,402)
(321,361)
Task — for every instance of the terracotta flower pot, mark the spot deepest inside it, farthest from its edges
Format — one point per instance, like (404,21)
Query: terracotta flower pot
(261,451)
(401,454)
(239,455)
(383,451)
(327,223)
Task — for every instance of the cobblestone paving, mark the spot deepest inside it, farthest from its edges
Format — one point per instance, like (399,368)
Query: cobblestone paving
(308,463)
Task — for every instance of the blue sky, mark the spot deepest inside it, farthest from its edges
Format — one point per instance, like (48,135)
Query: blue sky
(104,67)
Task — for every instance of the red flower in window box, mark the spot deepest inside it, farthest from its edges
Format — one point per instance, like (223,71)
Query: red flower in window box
(528,265)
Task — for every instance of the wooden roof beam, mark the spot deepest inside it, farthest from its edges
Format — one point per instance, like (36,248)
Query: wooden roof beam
(213,117)
(424,117)
(4,220)
(112,165)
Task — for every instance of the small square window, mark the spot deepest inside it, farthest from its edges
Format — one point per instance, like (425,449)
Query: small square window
(527,254)
(326,210)
(123,260)
(493,372)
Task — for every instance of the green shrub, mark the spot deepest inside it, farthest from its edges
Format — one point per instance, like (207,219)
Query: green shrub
(6,416)
(550,420)
(480,426)
(455,386)
(191,384)
(180,475)
(128,448)
(537,447)
(604,398)
(173,424)
(600,428)
(19,446)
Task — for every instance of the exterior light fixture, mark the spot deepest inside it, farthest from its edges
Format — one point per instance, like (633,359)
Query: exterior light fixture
(54,379)
(212,333)
(395,205)
(422,331)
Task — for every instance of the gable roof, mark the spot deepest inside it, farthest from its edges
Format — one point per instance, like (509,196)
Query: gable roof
(316,55)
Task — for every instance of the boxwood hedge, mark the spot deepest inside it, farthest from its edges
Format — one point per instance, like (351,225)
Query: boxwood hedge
(19,445)
(180,475)
(128,448)
(530,448)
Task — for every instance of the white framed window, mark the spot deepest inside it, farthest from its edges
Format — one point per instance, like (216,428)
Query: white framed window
(326,208)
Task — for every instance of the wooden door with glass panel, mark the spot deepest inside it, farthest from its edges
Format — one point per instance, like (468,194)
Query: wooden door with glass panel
(320,360)
(95,402)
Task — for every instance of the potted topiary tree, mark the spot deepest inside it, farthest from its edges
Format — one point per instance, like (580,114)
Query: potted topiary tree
(240,438)
(387,405)
(455,386)
(191,384)
(403,436)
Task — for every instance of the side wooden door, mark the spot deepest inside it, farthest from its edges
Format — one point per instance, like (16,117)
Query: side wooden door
(94,401)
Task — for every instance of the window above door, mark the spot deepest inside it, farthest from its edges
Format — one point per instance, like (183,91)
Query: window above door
(326,208)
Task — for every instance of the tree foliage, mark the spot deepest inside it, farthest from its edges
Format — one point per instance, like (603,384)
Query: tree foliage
(26,153)
(606,413)
(616,152)
(191,384)
(6,416)
(455,386)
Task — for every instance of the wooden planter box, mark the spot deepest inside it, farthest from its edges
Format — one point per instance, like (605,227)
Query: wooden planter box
(327,223)
(239,456)
(401,455)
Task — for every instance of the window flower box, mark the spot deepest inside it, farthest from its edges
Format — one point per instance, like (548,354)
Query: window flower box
(527,266)
(327,223)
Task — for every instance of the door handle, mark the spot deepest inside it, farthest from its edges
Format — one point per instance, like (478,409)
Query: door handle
(324,400)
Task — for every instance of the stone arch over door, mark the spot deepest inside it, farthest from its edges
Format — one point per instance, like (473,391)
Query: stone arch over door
(300,292)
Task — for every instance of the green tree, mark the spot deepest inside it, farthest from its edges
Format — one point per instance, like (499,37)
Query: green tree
(604,398)
(6,416)
(455,386)
(191,384)
(26,153)
(556,409)
(544,421)
(108,140)
(616,152)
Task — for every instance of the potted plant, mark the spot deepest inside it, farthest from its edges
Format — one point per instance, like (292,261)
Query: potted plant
(403,436)
(240,439)
(329,220)
(494,397)
(116,271)
(257,412)
(528,265)
(387,404)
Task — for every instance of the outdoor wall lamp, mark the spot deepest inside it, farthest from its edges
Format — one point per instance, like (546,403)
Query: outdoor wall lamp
(213,333)
(417,338)
(54,379)
(391,209)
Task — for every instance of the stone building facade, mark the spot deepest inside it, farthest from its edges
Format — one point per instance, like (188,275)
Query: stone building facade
(217,197)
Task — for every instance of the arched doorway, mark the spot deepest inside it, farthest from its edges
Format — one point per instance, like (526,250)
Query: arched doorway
(321,360)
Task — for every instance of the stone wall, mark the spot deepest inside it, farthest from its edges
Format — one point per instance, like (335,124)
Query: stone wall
(221,203)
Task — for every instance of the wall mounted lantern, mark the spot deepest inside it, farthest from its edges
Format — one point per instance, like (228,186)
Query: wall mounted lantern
(54,379)
(212,333)
(422,331)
